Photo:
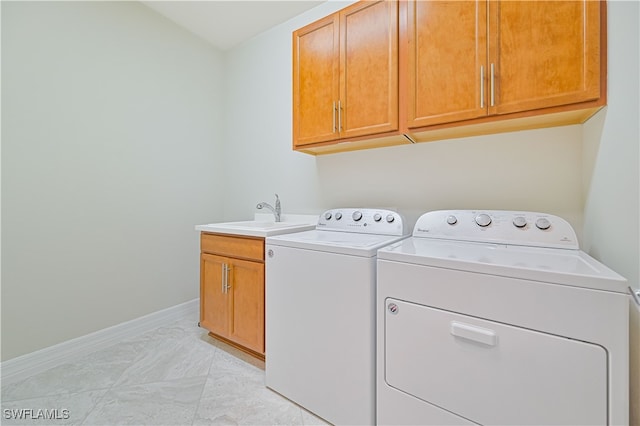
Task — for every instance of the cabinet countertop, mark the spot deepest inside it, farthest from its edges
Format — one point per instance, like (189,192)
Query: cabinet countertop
(263,225)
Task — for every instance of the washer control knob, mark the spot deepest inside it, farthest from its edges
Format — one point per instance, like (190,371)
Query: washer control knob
(338,216)
(327,215)
(377,217)
(390,218)
(520,222)
(452,220)
(357,215)
(543,223)
(483,220)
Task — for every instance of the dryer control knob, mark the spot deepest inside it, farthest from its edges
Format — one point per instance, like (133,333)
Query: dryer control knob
(338,216)
(483,220)
(543,223)
(327,215)
(452,220)
(390,218)
(520,222)
(377,217)
(357,215)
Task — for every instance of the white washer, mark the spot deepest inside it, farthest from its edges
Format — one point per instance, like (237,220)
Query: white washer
(320,312)
(497,317)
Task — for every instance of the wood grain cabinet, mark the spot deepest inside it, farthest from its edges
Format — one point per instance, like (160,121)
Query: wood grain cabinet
(345,75)
(472,59)
(232,290)
(380,73)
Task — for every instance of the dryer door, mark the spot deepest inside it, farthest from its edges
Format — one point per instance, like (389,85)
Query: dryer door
(492,373)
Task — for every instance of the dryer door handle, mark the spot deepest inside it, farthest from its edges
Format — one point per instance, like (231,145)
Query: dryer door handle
(474,333)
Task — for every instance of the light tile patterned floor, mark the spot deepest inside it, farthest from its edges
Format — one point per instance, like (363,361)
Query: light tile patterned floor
(174,375)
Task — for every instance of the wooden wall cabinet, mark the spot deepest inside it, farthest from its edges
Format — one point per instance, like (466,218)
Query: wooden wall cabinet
(345,76)
(380,73)
(479,61)
(232,290)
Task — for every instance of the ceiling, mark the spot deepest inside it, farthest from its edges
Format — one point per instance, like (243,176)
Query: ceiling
(227,23)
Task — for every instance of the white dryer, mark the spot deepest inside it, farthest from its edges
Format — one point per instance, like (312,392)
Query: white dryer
(497,317)
(320,312)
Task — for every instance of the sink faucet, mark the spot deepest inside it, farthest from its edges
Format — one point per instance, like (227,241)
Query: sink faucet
(276,212)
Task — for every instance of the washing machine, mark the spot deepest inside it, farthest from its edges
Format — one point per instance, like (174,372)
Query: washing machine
(320,312)
(497,317)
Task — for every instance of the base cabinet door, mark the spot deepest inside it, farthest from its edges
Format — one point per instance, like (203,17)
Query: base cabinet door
(214,301)
(246,324)
(232,300)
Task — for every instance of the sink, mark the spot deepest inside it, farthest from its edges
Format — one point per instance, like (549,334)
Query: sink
(256,228)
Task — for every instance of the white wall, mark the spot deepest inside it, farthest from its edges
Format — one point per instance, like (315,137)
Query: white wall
(611,180)
(586,174)
(611,170)
(121,131)
(532,170)
(111,153)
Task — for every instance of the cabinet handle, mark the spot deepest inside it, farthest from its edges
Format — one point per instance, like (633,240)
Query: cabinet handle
(225,278)
(339,117)
(334,117)
(481,86)
(492,85)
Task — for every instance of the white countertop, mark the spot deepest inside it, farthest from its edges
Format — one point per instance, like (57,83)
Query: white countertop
(263,225)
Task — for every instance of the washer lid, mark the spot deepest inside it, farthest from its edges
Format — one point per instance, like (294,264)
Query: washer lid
(365,245)
(557,266)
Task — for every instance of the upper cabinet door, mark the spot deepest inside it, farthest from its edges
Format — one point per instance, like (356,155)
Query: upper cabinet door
(446,61)
(368,69)
(543,53)
(315,82)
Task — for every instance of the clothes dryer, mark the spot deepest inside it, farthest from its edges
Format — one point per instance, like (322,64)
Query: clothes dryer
(497,317)
(320,312)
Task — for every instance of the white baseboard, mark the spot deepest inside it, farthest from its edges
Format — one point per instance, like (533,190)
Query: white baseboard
(21,367)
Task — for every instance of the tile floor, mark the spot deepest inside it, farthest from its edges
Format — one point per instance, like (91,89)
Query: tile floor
(174,375)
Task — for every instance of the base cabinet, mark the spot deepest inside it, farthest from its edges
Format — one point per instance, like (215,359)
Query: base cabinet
(232,290)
